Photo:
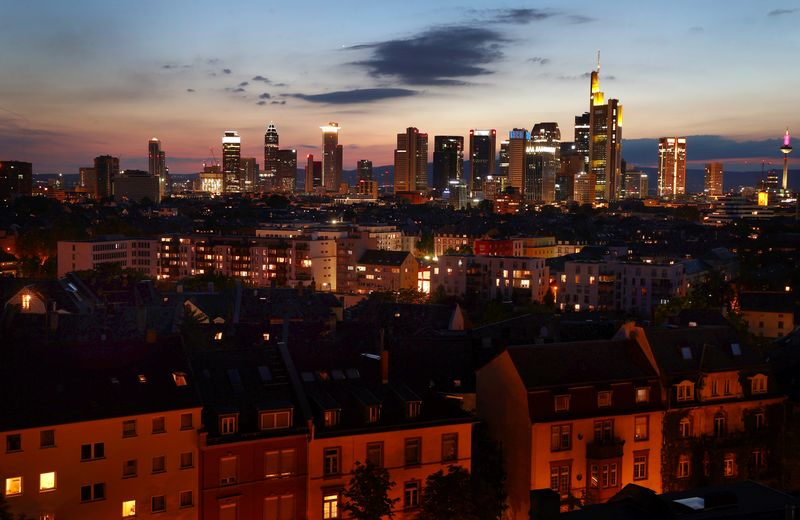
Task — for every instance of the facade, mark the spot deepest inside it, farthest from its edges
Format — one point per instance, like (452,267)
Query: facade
(767,314)
(605,143)
(287,171)
(545,143)
(411,161)
(210,180)
(137,185)
(231,162)
(671,166)
(250,174)
(331,157)
(106,170)
(482,150)
(491,277)
(448,162)
(379,270)
(572,163)
(634,185)
(518,140)
(713,185)
(16,180)
(87,180)
(313,174)
(270,178)
(140,254)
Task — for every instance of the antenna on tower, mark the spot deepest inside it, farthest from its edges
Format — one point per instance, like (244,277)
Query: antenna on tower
(598,60)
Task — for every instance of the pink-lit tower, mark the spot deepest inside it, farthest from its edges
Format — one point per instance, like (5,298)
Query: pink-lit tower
(786,149)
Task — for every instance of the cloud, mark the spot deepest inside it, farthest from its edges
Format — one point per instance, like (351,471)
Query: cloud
(265,95)
(696,29)
(261,78)
(280,85)
(240,89)
(781,12)
(190,90)
(436,56)
(168,66)
(540,61)
(226,71)
(364,95)
(281,102)
(579,18)
(261,103)
(243,84)
(521,16)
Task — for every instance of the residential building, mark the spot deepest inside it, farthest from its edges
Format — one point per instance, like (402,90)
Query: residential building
(671,166)
(490,277)
(767,314)
(140,254)
(379,270)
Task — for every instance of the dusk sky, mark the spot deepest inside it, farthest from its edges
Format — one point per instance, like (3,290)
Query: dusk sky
(85,78)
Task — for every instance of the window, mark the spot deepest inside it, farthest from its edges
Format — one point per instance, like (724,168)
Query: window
(728,465)
(560,437)
(129,428)
(641,428)
(14,442)
(187,460)
(13,486)
(159,464)
(330,506)
(47,438)
(91,452)
(227,424)
(93,492)
(726,387)
(604,399)
(128,508)
(594,480)
(331,417)
(714,388)
(279,463)
(279,507)
(686,353)
(185,499)
(158,504)
(758,385)
(129,468)
(186,421)
(719,425)
(758,459)
(373,414)
(562,403)
(179,378)
(643,394)
(560,477)
(330,461)
(26,302)
(684,467)
(411,494)
(685,391)
(603,431)
(413,409)
(685,428)
(413,451)
(760,420)
(639,466)
(449,447)
(227,471)
(159,425)
(375,454)
(47,481)
(276,420)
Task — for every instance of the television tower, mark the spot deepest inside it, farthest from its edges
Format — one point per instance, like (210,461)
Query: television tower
(786,149)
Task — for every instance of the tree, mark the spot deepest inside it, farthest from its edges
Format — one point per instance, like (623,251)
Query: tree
(367,495)
(488,475)
(448,496)
(5,514)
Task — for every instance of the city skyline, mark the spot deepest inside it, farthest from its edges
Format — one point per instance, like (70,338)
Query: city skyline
(68,99)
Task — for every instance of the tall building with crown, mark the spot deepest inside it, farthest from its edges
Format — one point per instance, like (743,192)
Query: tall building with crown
(331,157)
(605,142)
(786,149)
(268,178)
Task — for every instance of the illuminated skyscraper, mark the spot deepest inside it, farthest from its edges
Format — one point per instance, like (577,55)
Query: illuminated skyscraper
(411,161)
(364,170)
(106,170)
(249,174)
(269,175)
(482,149)
(786,149)
(448,161)
(503,160)
(713,180)
(671,166)
(605,142)
(313,174)
(232,181)
(582,138)
(331,157)
(287,170)
(157,167)
(546,143)
(518,177)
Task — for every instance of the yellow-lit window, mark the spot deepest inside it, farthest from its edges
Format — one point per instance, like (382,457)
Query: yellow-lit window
(128,508)
(26,302)
(47,481)
(13,486)
(218,336)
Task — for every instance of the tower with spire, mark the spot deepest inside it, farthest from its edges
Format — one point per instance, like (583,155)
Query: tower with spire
(605,142)
(270,171)
(786,149)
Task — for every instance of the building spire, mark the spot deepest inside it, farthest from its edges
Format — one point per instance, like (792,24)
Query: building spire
(598,60)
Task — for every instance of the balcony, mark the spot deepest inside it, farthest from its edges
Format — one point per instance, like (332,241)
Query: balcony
(610,449)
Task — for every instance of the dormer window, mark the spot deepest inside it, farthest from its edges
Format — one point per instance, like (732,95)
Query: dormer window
(179,378)
(562,403)
(228,424)
(685,391)
(275,420)
(332,418)
(604,399)
(373,413)
(758,384)
(643,394)
(736,349)
(413,409)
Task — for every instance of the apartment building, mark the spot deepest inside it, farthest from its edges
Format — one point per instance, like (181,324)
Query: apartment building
(767,314)
(140,254)
(491,277)
(379,270)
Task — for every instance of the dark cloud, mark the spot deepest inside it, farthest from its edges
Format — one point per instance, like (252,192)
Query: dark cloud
(280,85)
(521,16)
(261,103)
(243,84)
(781,12)
(281,102)
(212,61)
(240,89)
(190,90)
(261,78)
(226,71)
(579,18)
(437,56)
(265,95)
(364,95)
(540,61)
(169,66)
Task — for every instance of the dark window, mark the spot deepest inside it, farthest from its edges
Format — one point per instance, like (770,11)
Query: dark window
(158,504)
(413,451)
(449,447)
(47,438)
(375,454)
(331,461)
(14,442)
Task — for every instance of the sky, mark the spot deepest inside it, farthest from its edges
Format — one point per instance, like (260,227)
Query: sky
(85,78)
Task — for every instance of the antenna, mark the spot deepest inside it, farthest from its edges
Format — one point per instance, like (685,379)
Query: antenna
(598,60)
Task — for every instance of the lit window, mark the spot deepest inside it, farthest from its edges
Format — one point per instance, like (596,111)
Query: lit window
(330,506)
(13,486)
(227,425)
(218,336)
(129,508)
(758,384)
(26,302)
(643,395)
(641,430)
(604,399)
(562,403)
(179,378)
(47,481)
(729,465)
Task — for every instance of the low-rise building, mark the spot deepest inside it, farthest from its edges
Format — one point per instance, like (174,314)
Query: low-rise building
(491,277)
(140,254)
(379,270)
(767,314)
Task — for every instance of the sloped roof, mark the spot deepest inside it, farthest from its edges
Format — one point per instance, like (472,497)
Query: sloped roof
(382,257)
(767,301)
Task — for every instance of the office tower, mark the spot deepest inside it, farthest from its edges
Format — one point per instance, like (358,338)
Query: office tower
(16,180)
(331,157)
(157,167)
(137,186)
(231,162)
(338,166)
(671,166)
(106,169)
(605,141)
(713,186)
(582,136)
(250,174)
(546,144)
(88,180)
(518,140)
(269,175)
(287,170)
(503,160)
(482,146)
(211,179)
(448,161)
(634,184)
(786,149)
(313,174)
(572,163)
(364,170)
(411,161)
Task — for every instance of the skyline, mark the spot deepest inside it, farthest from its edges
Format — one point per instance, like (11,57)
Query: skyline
(67,99)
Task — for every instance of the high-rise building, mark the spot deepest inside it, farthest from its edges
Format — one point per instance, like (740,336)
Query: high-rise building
(713,186)
(313,174)
(634,184)
(287,170)
(106,168)
(269,175)
(582,137)
(250,174)
(16,179)
(364,170)
(482,147)
(331,157)
(411,161)
(448,161)
(503,159)
(786,149)
(546,144)
(518,140)
(87,180)
(231,162)
(157,165)
(671,166)
(605,142)
(572,163)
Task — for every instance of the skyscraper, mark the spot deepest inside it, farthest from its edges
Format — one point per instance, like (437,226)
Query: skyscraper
(331,157)
(582,138)
(269,174)
(546,143)
(503,160)
(713,180)
(482,147)
(518,140)
(572,163)
(313,174)
(605,142)
(16,180)
(786,149)
(448,161)
(364,170)
(156,159)
(671,166)
(231,162)
(249,174)
(411,161)
(287,170)
(106,169)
